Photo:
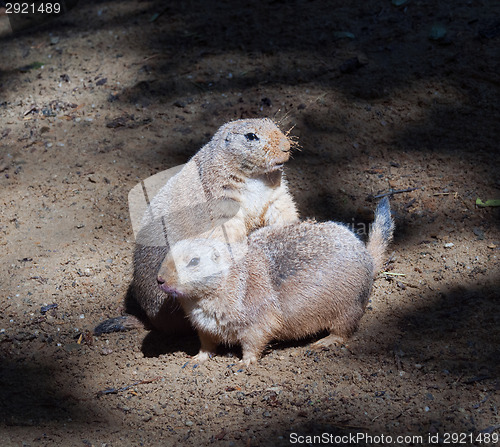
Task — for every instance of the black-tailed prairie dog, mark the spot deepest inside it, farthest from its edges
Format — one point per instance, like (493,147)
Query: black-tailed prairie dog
(230,187)
(293,281)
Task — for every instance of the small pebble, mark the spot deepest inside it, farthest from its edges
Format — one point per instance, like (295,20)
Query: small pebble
(479,233)
(449,245)
(48,307)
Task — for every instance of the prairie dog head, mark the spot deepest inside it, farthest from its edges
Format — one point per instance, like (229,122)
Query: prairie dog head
(196,266)
(258,145)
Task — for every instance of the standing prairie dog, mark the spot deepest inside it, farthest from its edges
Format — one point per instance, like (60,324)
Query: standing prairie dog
(230,187)
(293,281)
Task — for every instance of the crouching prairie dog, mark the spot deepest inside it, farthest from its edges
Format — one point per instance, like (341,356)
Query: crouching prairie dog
(294,280)
(230,187)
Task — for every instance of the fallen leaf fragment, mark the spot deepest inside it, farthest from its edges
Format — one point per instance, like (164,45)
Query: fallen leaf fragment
(490,202)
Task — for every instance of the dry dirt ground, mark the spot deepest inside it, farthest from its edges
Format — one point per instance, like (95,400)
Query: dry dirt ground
(382,97)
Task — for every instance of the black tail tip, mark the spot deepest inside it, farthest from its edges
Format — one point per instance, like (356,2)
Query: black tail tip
(383,218)
(383,207)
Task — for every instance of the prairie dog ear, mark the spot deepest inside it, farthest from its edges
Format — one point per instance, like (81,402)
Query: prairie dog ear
(225,134)
(228,137)
(215,255)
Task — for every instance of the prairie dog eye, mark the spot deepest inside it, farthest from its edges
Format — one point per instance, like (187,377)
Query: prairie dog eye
(250,136)
(194,262)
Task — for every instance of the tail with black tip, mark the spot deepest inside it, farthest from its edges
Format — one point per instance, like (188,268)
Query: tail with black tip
(381,233)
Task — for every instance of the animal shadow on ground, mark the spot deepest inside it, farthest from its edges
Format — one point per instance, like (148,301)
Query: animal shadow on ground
(157,343)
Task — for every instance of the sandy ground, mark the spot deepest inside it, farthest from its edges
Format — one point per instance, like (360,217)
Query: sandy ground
(381,96)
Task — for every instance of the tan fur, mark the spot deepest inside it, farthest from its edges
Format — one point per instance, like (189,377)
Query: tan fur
(293,281)
(377,246)
(229,188)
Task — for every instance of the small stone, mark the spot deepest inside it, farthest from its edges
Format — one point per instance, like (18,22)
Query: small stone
(266,102)
(73,347)
(350,65)
(437,32)
(449,245)
(479,233)
(47,111)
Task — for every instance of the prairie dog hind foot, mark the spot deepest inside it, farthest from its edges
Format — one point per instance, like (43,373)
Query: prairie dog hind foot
(328,342)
